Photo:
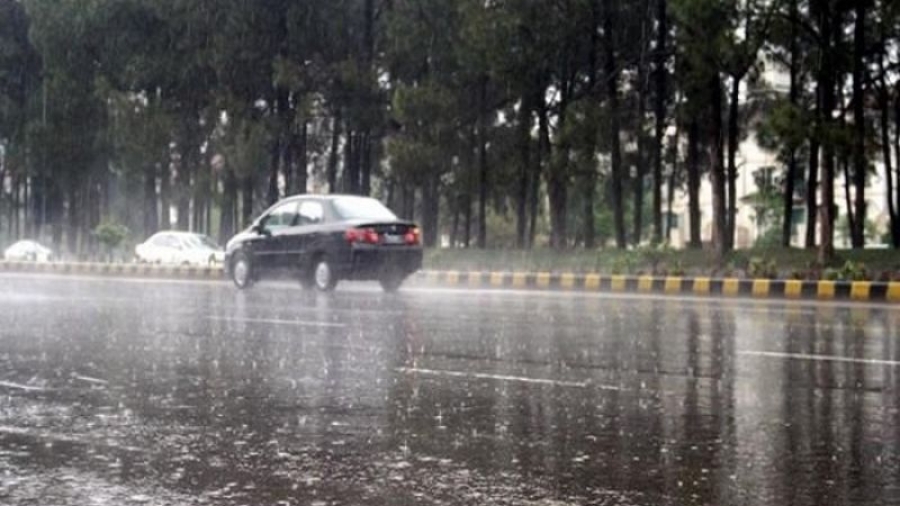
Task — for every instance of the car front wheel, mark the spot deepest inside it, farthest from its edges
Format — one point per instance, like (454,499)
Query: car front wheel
(241,271)
(323,275)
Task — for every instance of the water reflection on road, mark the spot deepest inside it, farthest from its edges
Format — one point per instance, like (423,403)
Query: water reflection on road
(155,393)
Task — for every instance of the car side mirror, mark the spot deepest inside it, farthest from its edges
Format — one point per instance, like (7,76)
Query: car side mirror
(260,228)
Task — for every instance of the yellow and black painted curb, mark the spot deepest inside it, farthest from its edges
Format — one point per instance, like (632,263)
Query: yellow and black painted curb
(116,270)
(864,291)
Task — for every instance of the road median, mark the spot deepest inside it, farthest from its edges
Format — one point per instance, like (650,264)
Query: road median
(114,270)
(862,291)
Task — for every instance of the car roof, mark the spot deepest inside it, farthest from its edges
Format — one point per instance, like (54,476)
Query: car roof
(177,232)
(326,196)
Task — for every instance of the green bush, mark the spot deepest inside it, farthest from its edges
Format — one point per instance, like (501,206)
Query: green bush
(110,235)
(762,268)
(850,271)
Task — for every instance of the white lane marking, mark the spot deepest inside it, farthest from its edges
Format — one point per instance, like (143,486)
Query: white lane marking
(819,358)
(501,377)
(89,379)
(299,323)
(17,386)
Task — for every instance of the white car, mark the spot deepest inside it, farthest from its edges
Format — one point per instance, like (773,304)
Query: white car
(180,248)
(29,251)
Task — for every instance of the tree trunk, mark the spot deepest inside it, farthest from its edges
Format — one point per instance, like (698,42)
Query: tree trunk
(524,136)
(482,164)
(151,213)
(467,220)
(693,182)
(290,162)
(336,124)
(612,96)
(351,163)
(827,90)
(430,209)
(860,167)
(717,170)
(248,186)
(455,205)
(301,160)
(790,177)
(884,129)
(897,151)
(733,140)
(183,192)
(589,169)
(788,208)
(14,209)
(670,189)
(660,113)
(365,184)
(640,169)
(272,193)
(74,221)
(26,204)
(165,195)
(558,176)
(201,191)
(542,156)
(408,199)
(848,200)
(229,202)
(812,188)
(889,173)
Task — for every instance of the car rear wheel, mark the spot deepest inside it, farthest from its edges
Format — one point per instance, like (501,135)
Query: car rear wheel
(391,282)
(241,271)
(323,275)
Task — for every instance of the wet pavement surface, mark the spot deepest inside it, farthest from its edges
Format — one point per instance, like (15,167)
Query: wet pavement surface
(166,393)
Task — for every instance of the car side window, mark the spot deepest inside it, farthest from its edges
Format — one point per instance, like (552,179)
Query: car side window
(282,216)
(311,213)
(172,242)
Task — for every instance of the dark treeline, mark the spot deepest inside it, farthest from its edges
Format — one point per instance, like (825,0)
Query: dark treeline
(492,122)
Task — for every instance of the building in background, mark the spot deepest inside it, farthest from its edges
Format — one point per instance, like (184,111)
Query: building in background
(758,167)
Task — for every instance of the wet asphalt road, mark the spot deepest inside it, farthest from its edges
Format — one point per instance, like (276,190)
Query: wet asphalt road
(166,393)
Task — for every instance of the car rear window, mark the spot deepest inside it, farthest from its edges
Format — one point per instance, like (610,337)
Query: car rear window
(361,208)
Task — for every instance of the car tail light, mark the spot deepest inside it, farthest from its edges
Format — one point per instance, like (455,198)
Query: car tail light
(362,235)
(412,237)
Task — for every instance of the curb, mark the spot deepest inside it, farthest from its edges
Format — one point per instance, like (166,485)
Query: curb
(114,270)
(861,291)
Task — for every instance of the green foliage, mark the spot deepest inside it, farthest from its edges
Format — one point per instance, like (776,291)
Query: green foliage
(762,268)
(849,271)
(111,234)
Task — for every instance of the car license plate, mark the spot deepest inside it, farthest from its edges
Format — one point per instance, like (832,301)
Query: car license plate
(393,239)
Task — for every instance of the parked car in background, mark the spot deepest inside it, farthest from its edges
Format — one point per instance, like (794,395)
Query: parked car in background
(179,248)
(27,251)
(323,239)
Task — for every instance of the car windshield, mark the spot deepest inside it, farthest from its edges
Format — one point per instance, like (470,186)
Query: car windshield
(360,208)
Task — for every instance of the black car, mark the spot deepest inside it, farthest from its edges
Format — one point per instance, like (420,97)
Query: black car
(324,239)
